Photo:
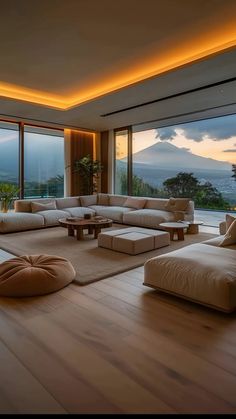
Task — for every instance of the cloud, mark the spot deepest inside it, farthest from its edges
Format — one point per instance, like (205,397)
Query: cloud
(217,129)
(230,150)
(167,133)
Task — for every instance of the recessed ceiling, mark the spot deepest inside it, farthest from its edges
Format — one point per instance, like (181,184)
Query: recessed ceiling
(91,55)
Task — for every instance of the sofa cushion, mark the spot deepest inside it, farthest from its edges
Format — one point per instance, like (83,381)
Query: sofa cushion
(147,217)
(230,236)
(36,206)
(20,221)
(156,203)
(115,213)
(216,242)
(103,199)
(229,219)
(177,204)
(51,217)
(68,202)
(117,200)
(24,205)
(136,203)
(79,211)
(87,200)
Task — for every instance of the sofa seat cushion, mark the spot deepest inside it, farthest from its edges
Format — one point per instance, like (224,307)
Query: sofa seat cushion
(115,213)
(27,276)
(79,211)
(199,272)
(148,217)
(20,221)
(51,217)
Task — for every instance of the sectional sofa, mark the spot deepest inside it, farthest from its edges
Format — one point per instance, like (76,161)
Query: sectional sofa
(144,212)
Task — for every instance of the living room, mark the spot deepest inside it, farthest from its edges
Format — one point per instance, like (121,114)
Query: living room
(117,194)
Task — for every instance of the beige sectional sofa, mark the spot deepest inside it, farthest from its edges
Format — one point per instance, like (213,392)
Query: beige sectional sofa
(144,212)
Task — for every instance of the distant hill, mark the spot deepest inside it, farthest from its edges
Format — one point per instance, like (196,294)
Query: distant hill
(166,155)
(39,166)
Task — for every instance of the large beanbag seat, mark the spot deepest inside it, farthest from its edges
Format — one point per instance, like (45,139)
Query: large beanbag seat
(28,276)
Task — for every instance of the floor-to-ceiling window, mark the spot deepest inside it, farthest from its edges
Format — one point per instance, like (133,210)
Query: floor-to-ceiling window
(195,159)
(32,158)
(9,154)
(122,140)
(43,162)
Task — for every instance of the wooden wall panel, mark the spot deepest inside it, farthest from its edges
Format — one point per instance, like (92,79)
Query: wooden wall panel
(81,144)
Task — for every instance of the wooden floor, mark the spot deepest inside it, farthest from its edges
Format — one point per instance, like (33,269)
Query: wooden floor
(115,346)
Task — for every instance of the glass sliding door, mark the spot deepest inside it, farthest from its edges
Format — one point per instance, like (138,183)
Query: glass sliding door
(9,153)
(122,161)
(43,162)
(195,160)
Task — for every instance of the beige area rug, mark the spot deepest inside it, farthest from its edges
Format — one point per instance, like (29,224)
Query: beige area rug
(91,263)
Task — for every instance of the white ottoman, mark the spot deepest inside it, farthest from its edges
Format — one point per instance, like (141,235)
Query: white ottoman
(133,240)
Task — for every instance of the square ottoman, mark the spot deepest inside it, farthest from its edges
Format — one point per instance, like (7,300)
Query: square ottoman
(199,272)
(133,240)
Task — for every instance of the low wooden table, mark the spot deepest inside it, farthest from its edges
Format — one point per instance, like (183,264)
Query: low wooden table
(93,226)
(193,226)
(175,228)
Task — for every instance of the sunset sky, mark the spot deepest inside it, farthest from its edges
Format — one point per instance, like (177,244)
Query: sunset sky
(214,138)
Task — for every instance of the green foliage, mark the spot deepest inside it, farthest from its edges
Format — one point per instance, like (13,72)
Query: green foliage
(185,185)
(53,187)
(140,188)
(89,170)
(8,192)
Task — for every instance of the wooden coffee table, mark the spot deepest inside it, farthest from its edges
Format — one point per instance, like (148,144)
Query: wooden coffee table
(93,226)
(175,228)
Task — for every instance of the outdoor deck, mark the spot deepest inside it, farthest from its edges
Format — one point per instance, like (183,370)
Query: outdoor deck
(212,218)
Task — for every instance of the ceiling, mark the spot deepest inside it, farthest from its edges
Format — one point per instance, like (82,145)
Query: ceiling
(69,62)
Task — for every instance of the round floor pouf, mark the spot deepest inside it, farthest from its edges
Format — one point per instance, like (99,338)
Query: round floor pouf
(28,276)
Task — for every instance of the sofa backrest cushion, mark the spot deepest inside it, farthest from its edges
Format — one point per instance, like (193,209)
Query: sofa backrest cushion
(24,205)
(103,199)
(117,200)
(68,202)
(136,203)
(87,200)
(36,206)
(230,235)
(156,203)
(177,204)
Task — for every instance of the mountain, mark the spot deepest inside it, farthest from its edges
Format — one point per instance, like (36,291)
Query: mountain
(166,155)
(41,162)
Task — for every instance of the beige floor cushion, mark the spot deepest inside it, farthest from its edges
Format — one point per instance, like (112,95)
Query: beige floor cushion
(200,272)
(27,276)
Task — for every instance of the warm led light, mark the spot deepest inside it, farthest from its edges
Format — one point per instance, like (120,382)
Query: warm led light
(152,67)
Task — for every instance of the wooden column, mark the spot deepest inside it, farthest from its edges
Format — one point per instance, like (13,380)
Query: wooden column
(104,161)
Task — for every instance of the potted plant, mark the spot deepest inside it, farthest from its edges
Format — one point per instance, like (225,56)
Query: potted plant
(89,171)
(8,192)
